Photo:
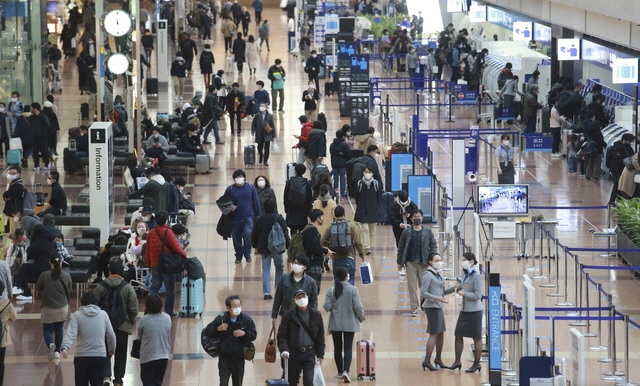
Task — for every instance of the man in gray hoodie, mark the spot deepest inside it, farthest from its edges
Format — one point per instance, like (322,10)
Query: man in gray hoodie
(96,339)
(25,219)
(157,188)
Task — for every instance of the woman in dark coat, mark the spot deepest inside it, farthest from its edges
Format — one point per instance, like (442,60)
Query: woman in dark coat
(239,46)
(67,36)
(263,139)
(368,194)
(206,64)
(265,192)
(245,19)
(85,65)
(54,128)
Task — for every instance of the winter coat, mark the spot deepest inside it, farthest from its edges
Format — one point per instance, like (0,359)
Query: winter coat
(188,48)
(283,299)
(251,54)
(39,125)
(303,139)
(93,329)
(23,130)
(158,189)
(289,331)
(8,316)
(346,312)
(179,68)
(315,63)
(368,201)
(317,144)
(365,141)
(230,346)
(147,41)
(296,216)
(257,127)
(128,297)
(619,153)
(396,217)
(531,105)
(327,213)
(626,183)
(155,242)
(239,48)
(265,194)
(429,246)
(206,61)
(227,26)
(340,153)
(262,228)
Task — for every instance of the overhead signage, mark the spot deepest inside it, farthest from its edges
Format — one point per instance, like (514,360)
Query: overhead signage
(537,142)
(463,95)
(601,55)
(568,49)
(478,13)
(523,30)
(504,19)
(542,33)
(454,6)
(624,71)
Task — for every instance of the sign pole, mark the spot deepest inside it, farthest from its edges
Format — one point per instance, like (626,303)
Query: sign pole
(494,340)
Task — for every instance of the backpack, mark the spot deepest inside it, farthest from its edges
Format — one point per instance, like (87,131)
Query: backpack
(374,182)
(298,192)
(449,57)
(609,156)
(440,57)
(29,200)
(276,242)
(296,247)
(357,170)
(113,304)
(589,149)
(262,31)
(320,168)
(340,240)
(564,105)
(58,54)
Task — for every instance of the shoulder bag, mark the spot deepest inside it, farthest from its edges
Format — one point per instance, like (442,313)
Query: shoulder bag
(628,162)
(270,350)
(169,262)
(267,128)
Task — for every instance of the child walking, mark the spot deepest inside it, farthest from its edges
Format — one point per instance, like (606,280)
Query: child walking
(572,154)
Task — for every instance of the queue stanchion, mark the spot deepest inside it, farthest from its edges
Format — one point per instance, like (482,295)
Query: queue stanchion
(614,374)
(565,303)
(626,354)
(450,102)
(588,334)
(533,246)
(579,285)
(548,284)
(490,163)
(509,372)
(540,268)
(505,343)
(599,346)
(576,268)
(612,331)
(557,258)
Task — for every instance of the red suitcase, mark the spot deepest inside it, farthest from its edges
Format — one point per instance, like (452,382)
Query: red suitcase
(366,358)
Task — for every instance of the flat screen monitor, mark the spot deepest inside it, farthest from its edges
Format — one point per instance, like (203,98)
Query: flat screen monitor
(503,200)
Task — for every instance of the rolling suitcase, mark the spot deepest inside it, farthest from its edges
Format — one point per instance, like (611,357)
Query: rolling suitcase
(249,155)
(366,359)
(152,86)
(544,120)
(328,89)
(366,273)
(13,157)
(228,65)
(71,164)
(191,298)
(84,111)
(280,381)
(202,164)
(291,170)
(385,204)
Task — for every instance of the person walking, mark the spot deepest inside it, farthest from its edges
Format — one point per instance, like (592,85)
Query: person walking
(147,44)
(311,244)
(211,114)
(469,324)
(179,72)
(228,29)
(257,8)
(85,69)
(96,341)
(162,240)
(6,130)
(316,149)
(340,153)
(234,101)
(39,252)
(189,50)
(504,156)
(206,64)
(368,194)
(555,125)
(264,131)
(261,95)
(433,292)
(417,244)
(13,196)
(288,285)
(263,32)
(349,229)
(260,241)
(245,20)
(236,330)
(40,127)
(301,339)
(23,131)
(265,191)
(276,74)
(345,315)
(252,54)
(297,199)
(109,289)
(238,51)
(246,207)
(53,132)
(311,98)
(55,286)
(312,68)
(399,214)
(154,332)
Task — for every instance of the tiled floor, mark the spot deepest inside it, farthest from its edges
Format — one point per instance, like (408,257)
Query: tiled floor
(400,339)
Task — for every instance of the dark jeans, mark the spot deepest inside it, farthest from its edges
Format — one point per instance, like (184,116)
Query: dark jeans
(85,370)
(338,340)
(239,66)
(169,280)
(258,17)
(40,149)
(3,351)
(227,43)
(615,176)
(231,368)
(80,155)
(235,116)
(27,273)
(301,361)
(241,236)
(264,150)
(340,179)
(53,211)
(314,77)
(152,373)
(315,271)
(26,152)
(348,263)
(530,124)
(3,151)
(120,357)
(264,40)
(48,329)
(188,61)
(555,146)
(212,125)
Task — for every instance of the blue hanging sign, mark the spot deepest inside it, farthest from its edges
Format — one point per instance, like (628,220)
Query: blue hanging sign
(462,93)
(506,113)
(537,142)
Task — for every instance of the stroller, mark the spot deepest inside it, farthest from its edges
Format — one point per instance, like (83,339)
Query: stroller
(55,82)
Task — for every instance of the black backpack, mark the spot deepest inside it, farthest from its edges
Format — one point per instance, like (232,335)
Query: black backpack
(449,57)
(357,169)
(340,240)
(298,188)
(113,304)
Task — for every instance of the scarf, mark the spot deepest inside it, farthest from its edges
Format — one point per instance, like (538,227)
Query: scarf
(368,182)
(325,198)
(403,208)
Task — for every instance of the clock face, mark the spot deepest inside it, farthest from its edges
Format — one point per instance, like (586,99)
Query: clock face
(118,63)
(117,23)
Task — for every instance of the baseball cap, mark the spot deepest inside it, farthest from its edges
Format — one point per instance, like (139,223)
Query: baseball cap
(146,210)
(298,292)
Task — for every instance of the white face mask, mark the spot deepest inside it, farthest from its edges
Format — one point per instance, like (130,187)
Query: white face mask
(236,311)
(239,180)
(465,264)
(156,136)
(506,143)
(438,265)
(368,176)
(14,100)
(1,109)
(302,302)
(311,86)
(297,268)
(314,56)
(13,176)
(181,189)
(49,181)
(261,183)
(144,218)
(263,109)
(141,230)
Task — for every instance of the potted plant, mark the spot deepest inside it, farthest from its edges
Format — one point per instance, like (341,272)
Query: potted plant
(627,213)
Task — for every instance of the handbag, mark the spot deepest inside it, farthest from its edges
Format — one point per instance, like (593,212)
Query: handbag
(249,352)
(135,348)
(267,128)
(270,350)
(628,162)
(169,262)
(15,143)
(210,344)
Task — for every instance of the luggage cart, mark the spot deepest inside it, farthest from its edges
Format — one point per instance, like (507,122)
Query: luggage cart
(488,113)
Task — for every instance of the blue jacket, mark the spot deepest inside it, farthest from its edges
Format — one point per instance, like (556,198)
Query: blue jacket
(262,96)
(246,199)
(257,5)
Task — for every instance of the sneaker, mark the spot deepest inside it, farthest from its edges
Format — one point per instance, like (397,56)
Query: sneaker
(36,169)
(22,297)
(46,168)
(249,260)
(403,271)
(56,355)
(414,313)
(238,261)
(556,154)
(173,314)
(16,291)
(267,297)
(52,351)
(206,143)
(281,111)
(338,375)
(368,252)
(219,142)
(345,377)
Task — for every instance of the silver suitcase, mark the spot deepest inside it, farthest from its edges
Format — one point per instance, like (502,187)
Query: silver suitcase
(228,68)
(202,163)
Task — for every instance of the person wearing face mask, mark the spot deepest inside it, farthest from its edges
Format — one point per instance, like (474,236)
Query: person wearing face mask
(6,130)
(368,194)
(345,315)
(179,72)
(298,279)
(13,196)
(318,255)
(469,325)
(399,214)
(157,146)
(147,208)
(433,292)
(15,107)
(39,252)
(312,68)
(531,107)
(261,95)
(416,247)
(504,156)
(412,61)
(211,113)
(190,142)
(311,97)
(138,238)
(263,138)
(25,219)
(15,256)
(260,243)
(276,74)
(40,126)
(157,188)
(236,330)
(245,209)
(186,207)
(301,339)
(23,131)
(338,258)
(58,198)
(234,99)
(265,192)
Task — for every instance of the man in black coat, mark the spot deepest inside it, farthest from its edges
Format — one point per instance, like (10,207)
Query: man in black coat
(58,200)
(340,154)
(301,339)
(189,50)
(297,199)
(400,212)
(234,101)
(370,161)
(598,109)
(312,247)
(316,145)
(209,116)
(40,131)
(312,68)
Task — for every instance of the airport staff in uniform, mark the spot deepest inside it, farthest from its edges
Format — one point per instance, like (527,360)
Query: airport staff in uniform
(504,154)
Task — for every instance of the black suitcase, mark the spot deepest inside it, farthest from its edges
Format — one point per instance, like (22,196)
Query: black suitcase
(84,111)
(328,89)
(249,155)
(152,86)
(385,203)
(71,164)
